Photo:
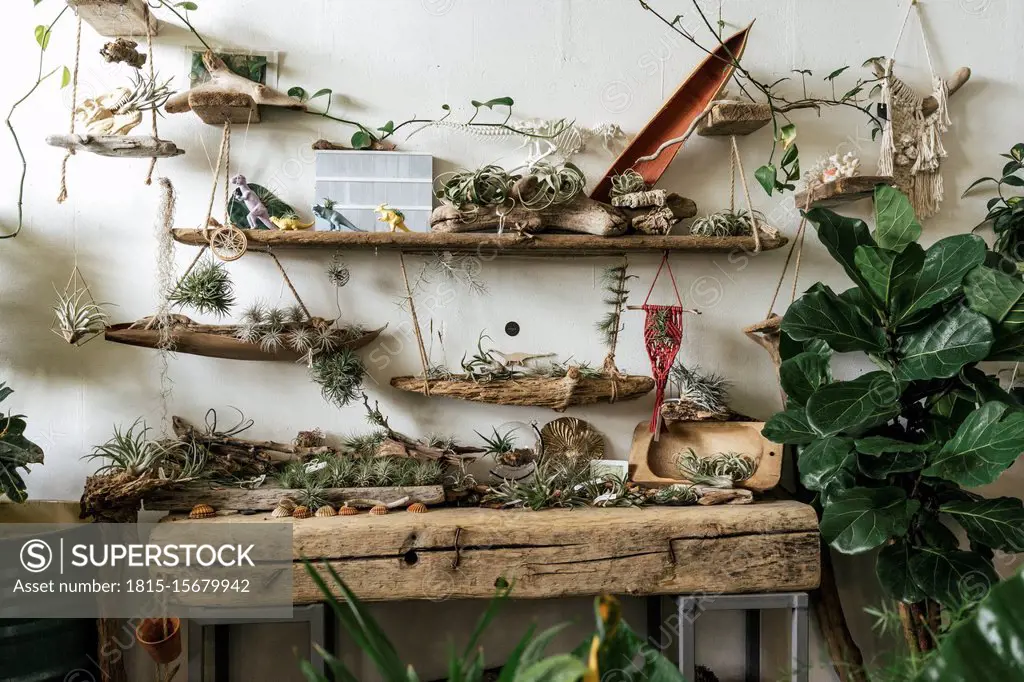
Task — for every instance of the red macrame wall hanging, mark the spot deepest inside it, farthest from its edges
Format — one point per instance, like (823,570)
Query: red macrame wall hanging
(663,336)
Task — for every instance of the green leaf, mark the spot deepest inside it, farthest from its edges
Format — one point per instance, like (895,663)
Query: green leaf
(886,271)
(997,523)
(13,485)
(882,467)
(43,36)
(893,570)
(941,349)
(989,440)
(321,93)
(880,445)
(561,668)
(787,136)
(992,293)
(860,519)
(823,315)
(841,236)
(298,93)
(65,78)
(945,265)
(766,176)
(952,578)
(190,6)
(896,226)
(388,127)
(790,427)
(804,374)
(361,140)
(491,103)
(828,462)
(987,388)
(852,407)
(835,74)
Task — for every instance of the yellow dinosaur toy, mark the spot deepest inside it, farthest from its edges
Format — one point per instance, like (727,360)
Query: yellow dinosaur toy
(289,224)
(393,217)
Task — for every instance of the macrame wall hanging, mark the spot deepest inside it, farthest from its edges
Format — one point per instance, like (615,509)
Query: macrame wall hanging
(663,337)
(912,149)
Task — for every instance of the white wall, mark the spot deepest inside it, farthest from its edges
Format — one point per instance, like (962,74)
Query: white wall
(593,61)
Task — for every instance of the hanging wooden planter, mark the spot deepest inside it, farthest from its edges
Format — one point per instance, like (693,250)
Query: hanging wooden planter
(729,117)
(117,146)
(558,394)
(653,462)
(842,191)
(217,341)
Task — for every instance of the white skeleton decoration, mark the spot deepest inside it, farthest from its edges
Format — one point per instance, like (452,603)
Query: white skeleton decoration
(104,114)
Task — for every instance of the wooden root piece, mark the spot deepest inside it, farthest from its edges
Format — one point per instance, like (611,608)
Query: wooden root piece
(228,97)
(648,199)
(728,117)
(247,454)
(657,221)
(676,208)
(557,394)
(929,105)
(117,146)
(460,553)
(112,18)
(214,341)
(266,498)
(685,411)
(708,496)
(582,214)
(843,190)
(116,498)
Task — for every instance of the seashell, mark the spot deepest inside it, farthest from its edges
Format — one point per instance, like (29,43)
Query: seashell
(379,510)
(325,511)
(281,512)
(302,512)
(286,503)
(417,508)
(346,510)
(572,439)
(202,511)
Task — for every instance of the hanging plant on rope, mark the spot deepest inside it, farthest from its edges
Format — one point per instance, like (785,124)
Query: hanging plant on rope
(77,318)
(207,289)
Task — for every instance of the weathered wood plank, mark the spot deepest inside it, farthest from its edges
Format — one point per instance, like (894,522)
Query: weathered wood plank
(461,553)
(843,190)
(735,118)
(112,18)
(265,498)
(490,245)
(117,146)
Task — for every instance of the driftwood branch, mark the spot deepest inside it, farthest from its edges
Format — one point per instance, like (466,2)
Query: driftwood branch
(929,105)
(240,456)
(118,146)
(265,498)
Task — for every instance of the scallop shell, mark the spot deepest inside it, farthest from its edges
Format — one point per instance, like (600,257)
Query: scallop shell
(286,503)
(379,510)
(572,438)
(202,511)
(417,508)
(281,512)
(346,510)
(325,511)
(302,512)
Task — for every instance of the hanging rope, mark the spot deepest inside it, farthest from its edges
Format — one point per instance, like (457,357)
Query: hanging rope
(288,281)
(224,141)
(152,78)
(424,362)
(62,196)
(754,222)
(798,247)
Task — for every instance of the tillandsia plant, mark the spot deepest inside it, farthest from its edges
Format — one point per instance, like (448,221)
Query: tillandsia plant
(615,651)
(535,187)
(890,453)
(340,375)
(726,223)
(131,451)
(721,470)
(207,288)
(707,392)
(16,451)
(1006,213)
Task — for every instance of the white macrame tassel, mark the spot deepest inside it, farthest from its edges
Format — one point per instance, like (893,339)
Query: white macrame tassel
(888,151)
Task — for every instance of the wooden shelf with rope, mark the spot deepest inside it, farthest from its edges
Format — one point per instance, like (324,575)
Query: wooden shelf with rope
(114,18)
(489,245)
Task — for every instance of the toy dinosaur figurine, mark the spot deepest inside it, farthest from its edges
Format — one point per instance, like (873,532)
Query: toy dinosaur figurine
(334,218)
(258,213)
(393,217)
(289,224)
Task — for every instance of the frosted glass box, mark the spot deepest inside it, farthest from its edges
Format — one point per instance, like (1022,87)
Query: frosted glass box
(359,181)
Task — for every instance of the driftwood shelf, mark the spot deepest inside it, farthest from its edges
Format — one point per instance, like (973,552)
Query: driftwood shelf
(558,394)
(214,341)
(841,191)
(463,553)
(118,146)
(734,118)
(112,18)
(490,245)
(266,498)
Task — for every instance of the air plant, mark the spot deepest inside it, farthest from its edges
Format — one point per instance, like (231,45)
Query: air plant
(337,272)
(678,494)
(706,392)
(193,457)
(628,182)
(294,475)
(383,470)
(483,366)
(340,376)
(429,472)
(541,186)
(728,223)
(502,446)
(340,472)
(76,316)
(130,451)
(553,484)
(461,268)
(614,281)
(364,445)
(145,94)
(722,470)
(312,495)
(207,288)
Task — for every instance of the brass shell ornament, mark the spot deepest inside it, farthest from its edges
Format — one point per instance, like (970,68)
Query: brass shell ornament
(302,512)
(417,508)
(202,511)
(325,511)
(572,439)
(379,510)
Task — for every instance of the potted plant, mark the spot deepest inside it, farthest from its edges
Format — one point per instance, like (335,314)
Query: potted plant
(1006,213)
(16,451)
(889,454)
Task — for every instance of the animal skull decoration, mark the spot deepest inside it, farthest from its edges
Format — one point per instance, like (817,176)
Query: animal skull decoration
(106,115)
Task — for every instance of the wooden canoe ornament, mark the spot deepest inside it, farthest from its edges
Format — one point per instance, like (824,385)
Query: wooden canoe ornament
(681,113)
(228,97)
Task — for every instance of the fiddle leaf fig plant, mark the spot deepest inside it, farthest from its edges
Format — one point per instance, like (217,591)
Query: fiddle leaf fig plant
(16,452)
(889,454)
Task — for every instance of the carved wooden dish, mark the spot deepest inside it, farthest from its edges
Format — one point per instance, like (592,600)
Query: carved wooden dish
(652,463)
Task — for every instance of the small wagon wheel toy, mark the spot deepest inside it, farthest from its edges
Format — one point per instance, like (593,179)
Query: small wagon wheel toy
(228,243)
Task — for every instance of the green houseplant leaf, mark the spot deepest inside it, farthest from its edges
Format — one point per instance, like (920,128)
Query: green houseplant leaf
(823,315)
(952,577)
(996,523)
(896,227)
(988,441)
(803,374)
(854,406)
(942,274)
(860,519)
(992,293)
(828,462)
(841,236)
(892,566)
(941,349)
(887,271)
(790,427)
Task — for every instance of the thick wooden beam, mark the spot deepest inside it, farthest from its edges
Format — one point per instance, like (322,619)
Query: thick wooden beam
(113,18)
(490,245)
(464,553)
(735,118)
(266,498)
